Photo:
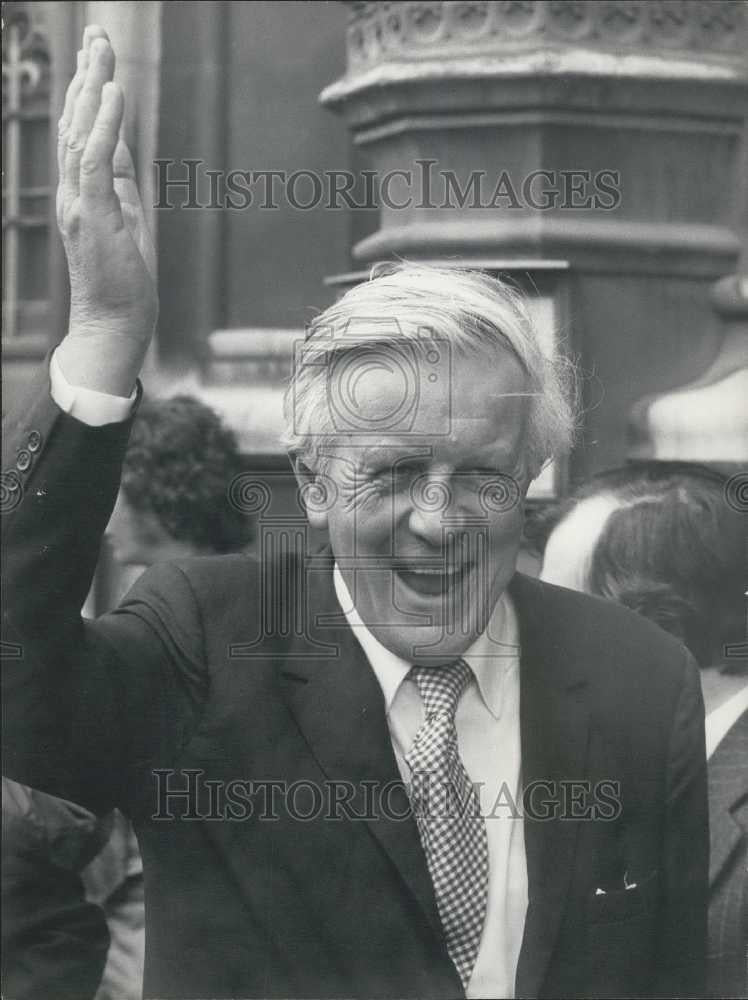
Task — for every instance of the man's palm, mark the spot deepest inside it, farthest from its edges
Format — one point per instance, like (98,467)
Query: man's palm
(113,301)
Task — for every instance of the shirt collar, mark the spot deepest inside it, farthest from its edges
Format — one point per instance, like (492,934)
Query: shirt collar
(492,657)
(495,654)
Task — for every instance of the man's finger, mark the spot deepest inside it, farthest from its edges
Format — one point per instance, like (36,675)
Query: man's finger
(74,88)
(133,214)
(100,71)
(96,169)
(124,176)
(91,32)
(98,61)
(123,165)
(71,95)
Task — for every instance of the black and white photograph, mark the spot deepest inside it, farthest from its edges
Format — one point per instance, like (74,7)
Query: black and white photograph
(374,500)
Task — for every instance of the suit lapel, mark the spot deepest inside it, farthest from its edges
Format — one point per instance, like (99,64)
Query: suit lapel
(728,796)
(554,733)
(339,708)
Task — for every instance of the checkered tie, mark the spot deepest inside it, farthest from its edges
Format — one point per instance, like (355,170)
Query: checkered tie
(447,811)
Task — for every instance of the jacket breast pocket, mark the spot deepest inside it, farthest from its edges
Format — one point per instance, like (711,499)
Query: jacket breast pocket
(620,905)
(621,936)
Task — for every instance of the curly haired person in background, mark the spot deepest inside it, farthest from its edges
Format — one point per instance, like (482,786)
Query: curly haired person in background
(173,500)
(660,538)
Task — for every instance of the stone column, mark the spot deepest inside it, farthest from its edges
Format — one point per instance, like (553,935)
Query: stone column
(603,135)
(705,420)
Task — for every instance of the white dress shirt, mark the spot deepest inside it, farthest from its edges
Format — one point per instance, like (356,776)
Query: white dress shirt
(488,737)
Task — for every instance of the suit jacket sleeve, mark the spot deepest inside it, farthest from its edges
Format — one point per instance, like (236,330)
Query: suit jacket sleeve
(84,703)
(686,847)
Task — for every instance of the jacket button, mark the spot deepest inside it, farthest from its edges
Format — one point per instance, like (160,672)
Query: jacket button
(11,482)
(34,442)
(23,460)
(10,491)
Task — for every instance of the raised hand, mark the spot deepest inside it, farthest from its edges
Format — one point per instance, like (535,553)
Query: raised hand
(113,300)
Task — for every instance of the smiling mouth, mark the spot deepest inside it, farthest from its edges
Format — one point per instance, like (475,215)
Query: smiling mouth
(432,580)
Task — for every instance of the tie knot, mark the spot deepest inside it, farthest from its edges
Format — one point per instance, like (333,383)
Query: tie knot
(441,687)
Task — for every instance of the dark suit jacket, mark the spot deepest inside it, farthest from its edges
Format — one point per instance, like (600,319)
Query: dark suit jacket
(727,965)
(233,670)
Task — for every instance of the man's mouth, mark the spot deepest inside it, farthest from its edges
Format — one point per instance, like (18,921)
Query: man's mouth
(430,580)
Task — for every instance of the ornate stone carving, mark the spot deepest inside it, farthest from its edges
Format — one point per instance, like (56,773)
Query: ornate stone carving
(380,32)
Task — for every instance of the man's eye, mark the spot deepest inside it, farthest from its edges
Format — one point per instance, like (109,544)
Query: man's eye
(382,478)
(402,472)
(392,476)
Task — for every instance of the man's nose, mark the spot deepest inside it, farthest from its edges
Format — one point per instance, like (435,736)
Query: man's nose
(433,508)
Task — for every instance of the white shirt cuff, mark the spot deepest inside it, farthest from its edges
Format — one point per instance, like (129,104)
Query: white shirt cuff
(88,405)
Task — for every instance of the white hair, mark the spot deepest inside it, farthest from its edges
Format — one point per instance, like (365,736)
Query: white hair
(414,302)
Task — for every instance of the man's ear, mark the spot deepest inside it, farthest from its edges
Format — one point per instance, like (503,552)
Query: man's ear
(313,491)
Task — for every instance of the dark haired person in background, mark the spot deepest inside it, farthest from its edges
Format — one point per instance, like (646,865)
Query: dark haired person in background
(174,497)
(660,538)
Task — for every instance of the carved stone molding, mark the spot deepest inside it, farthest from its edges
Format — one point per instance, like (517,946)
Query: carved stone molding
(379,32)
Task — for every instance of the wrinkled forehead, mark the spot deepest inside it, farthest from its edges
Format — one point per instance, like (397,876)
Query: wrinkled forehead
(417,328)
(392,397)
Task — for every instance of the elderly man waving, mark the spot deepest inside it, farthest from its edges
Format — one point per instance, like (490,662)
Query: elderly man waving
(398,769)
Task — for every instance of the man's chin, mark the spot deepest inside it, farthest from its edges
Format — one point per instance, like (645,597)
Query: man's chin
(432,620)
(426,644)
(430,647)
(457,605)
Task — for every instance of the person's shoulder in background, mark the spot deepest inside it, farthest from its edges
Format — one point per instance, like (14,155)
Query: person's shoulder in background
(54,942)
(629,663)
